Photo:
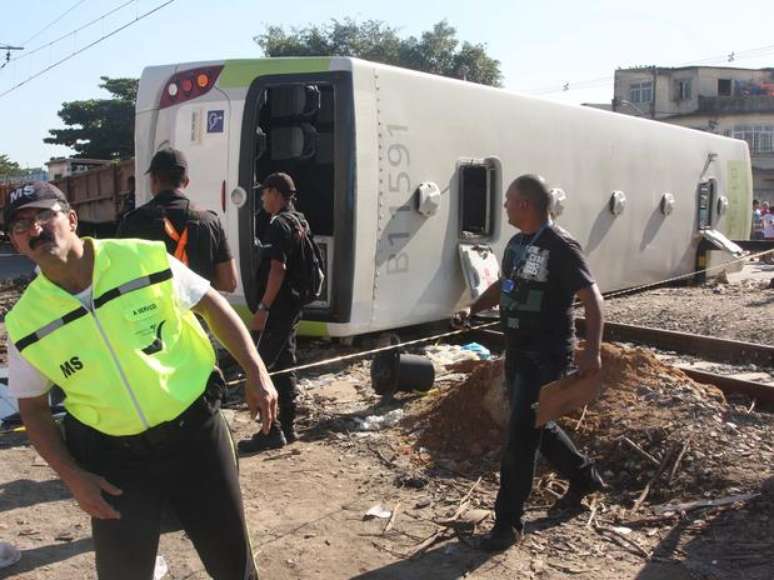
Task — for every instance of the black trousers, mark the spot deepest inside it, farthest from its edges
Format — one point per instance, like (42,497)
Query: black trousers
(188,464)
(277,347)
(526,372)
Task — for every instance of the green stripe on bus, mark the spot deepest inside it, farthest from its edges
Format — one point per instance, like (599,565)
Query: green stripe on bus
(738,216)
(240,73)
(305,327)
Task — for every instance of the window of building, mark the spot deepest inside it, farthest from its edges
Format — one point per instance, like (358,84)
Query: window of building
(476,200)
(682,89)
(724,87)
(641,92)
(760,138)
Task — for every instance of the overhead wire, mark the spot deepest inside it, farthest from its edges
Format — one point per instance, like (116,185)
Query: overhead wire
(72,32)
(88,46)
(57,19)
(733,56)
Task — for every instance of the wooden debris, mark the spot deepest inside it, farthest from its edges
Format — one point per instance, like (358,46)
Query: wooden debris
(582,417)
(664,462)
(622,540)
(569,570)
(640,450)
(391,521)
(692,505)
(676,465)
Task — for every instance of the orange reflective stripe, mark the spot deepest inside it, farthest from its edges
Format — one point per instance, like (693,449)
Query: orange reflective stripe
(181,239)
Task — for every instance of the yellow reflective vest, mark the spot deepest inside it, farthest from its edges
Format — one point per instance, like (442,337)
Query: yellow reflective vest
(131,361)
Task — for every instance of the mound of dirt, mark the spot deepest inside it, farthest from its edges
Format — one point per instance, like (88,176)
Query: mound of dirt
(650,418)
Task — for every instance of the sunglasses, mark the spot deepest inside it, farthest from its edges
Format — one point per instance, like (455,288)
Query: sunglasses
(23,225)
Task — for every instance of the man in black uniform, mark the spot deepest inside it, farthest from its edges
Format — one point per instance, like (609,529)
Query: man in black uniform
(543,270)
(279,308)
(193,236)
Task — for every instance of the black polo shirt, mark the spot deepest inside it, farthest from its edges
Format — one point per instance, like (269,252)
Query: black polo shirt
(207,244)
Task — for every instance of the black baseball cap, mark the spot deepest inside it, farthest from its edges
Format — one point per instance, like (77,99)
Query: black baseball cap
(36,194)
(166,159)
(282,182)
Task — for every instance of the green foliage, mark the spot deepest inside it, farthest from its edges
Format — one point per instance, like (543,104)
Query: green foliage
(100,128)
(8,167)
(438,51)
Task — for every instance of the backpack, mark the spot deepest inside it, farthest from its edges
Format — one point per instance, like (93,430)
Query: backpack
(307,270)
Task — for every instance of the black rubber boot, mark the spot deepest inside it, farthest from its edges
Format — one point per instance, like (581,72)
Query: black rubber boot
(287,418)
(502,536)
(274,439)
(589,482)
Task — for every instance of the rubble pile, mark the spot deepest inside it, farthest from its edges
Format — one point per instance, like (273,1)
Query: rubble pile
(652,427)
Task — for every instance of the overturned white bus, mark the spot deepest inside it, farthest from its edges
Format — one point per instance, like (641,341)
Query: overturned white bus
(396,170)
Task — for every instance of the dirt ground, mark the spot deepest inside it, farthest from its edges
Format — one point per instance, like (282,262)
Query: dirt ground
(306,504)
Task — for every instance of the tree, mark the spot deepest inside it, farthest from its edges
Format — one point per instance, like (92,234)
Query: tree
(100,128)
(8,167)
(437,51)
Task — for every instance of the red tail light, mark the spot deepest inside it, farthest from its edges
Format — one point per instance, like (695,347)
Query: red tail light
(186,85)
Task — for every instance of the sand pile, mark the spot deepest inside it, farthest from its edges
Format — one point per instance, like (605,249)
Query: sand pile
(650,418)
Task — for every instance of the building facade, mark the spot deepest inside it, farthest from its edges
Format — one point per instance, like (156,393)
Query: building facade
(735,102)
(60,167)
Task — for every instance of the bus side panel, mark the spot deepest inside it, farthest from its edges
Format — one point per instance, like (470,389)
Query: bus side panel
(427,124)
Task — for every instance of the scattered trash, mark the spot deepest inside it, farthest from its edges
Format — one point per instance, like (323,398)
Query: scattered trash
(623,530)
(161,568)
(9,555)
(412,481)
(377,511)
(482,352)
(444,355)
(378,422)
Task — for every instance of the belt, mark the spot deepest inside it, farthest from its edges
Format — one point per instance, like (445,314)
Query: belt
(196,414)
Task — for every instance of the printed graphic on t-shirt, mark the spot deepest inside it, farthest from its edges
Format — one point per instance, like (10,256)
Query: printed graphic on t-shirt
(536,265)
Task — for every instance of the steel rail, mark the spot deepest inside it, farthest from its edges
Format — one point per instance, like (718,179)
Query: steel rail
(685,343)
(705,347)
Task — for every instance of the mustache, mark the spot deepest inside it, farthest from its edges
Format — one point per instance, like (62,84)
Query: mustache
(41,239)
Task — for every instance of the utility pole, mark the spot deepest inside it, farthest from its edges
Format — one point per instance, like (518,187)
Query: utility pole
(7,48)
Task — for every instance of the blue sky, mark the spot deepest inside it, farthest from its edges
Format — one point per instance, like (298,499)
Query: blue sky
(541,45)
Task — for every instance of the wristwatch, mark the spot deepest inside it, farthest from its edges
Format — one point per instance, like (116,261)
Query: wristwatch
(262,306)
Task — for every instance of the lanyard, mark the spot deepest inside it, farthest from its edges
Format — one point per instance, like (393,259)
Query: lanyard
(521,255)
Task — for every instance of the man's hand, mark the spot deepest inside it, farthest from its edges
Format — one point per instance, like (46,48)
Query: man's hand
(588,362)
(87,489)
(261,399)
(461,319)
(259,320)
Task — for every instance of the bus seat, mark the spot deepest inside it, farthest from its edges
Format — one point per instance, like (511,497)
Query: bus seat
(294,142)
(294,101)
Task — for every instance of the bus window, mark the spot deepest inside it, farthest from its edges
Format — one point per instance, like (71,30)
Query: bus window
(295,134)
(476,189)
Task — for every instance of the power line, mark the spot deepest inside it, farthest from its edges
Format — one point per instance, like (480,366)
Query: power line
(72,32)
(601,81)
(57,19)
(88,46)
(8,48)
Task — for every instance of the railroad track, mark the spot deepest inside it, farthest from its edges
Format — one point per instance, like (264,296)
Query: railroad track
(705,347)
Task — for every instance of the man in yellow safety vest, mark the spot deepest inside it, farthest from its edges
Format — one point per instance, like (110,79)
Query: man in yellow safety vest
(112,323)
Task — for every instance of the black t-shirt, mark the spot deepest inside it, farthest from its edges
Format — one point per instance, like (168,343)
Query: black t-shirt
(280,242)
(207,244)
(538,285)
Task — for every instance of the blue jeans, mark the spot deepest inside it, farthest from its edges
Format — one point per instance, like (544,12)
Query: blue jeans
(526,372)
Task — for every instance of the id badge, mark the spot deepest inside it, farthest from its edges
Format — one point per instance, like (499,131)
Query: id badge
(508,285)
